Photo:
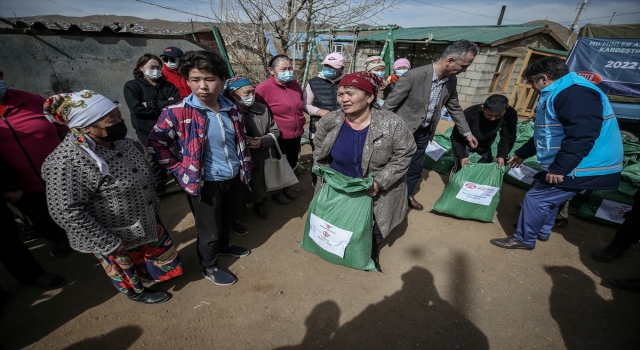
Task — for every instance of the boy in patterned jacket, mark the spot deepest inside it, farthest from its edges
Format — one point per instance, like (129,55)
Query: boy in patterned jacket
(215,160)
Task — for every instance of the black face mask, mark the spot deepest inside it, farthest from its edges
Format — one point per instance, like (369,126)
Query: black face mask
(115,132)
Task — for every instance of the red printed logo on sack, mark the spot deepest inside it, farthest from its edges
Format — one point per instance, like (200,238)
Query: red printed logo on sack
(593,77)
(326,234)
(470,186)
(621,212)
(328,226)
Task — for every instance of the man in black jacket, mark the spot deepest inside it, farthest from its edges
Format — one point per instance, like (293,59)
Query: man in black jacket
(485,120)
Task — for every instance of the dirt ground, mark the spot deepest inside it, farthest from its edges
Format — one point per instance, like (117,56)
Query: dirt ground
(444,286)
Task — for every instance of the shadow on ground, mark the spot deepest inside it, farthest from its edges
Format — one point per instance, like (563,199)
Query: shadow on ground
(414,317)
(120,338)
(586,319)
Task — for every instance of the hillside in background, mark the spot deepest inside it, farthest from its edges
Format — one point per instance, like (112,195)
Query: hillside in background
(141,25)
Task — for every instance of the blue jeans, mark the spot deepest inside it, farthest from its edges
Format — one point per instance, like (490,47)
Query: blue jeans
(414,173)
(539,210)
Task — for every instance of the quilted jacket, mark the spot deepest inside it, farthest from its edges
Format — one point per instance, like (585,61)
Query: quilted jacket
(188,126)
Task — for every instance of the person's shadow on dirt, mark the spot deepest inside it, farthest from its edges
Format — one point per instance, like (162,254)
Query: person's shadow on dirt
(29,314)
(414,317)
(587,320)
(119,338)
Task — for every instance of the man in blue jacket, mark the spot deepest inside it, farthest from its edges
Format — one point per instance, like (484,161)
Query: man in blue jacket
(578,144)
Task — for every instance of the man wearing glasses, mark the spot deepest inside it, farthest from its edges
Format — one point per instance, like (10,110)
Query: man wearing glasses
(170,60)
(485,121)
(577,142)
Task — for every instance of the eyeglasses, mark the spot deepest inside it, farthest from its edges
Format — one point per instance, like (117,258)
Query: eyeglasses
(166,59)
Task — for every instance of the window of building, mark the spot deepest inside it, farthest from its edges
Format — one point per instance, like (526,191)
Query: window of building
(337,48)
(502,75)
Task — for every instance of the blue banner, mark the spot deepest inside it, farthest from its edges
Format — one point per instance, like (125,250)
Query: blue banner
(611,64)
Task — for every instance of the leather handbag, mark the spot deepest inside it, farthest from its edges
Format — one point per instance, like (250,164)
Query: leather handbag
(277,172)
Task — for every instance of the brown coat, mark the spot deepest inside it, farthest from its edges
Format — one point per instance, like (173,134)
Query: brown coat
(387,153)
(258,122)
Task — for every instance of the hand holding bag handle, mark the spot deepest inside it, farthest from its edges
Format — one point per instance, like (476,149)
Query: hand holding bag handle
(277,172)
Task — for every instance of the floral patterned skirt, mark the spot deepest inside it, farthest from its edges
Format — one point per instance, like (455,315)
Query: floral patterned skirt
(157,261)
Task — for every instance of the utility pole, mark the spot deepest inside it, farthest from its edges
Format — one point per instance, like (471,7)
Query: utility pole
(612,17)
(575,23)
(501,15)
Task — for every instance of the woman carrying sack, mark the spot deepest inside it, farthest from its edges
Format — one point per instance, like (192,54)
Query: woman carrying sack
(359,140)
(262,133)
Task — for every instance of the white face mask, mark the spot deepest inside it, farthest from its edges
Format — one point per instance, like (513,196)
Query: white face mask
(153,74)
(172,65)
(247,100)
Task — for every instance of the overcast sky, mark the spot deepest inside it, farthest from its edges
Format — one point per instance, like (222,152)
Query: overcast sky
(408,13)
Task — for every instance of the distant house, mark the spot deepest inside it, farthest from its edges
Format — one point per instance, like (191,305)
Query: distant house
(504,50)
(326,44)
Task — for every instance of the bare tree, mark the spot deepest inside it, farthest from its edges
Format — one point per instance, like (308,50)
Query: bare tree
(249,22)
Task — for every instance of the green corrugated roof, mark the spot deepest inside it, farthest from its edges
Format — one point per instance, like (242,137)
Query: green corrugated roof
(555,52)
(478,34)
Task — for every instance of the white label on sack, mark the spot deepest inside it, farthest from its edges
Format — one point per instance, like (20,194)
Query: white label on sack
(523,173)
(476,193)
(329,237)
(612,211)
(435,151)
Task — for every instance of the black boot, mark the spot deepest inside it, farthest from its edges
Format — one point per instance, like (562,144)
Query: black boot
(149,296)
(375,254)
(608,254)
(260,210)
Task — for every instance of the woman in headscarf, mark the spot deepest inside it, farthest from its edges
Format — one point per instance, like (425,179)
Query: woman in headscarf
(262,133)
(360,139)
(375,65)
(400,66)
(283,96)
(99,190)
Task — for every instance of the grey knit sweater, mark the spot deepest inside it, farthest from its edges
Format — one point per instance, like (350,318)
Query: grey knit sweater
(98,211)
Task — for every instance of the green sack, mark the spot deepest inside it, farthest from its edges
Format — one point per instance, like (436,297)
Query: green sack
(579,199)
(516,178)
(623,196)
(445,162)
(341,208)
(631,151)
(473,192)
(631,174)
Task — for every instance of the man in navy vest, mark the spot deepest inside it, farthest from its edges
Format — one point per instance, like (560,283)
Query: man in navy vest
(320,95)
(578,144)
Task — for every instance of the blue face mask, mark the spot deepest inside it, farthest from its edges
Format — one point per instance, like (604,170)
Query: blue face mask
(3,88)
(329,73)
(285,77)
(380,74)
(399,72)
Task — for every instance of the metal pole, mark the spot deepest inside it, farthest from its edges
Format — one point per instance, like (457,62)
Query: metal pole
(501,15)
(575,23)
(312,38)
(392,55)
(223,51)
(612,17)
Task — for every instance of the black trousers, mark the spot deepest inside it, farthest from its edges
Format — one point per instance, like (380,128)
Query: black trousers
(290,148)
(629,232)
(215,212)
(14,254)
(34,205)
(314,177)
(158,173)
(414,173)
